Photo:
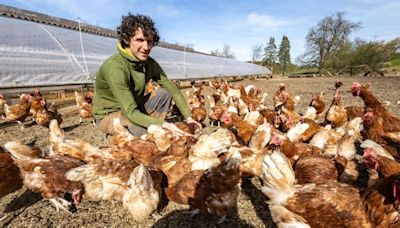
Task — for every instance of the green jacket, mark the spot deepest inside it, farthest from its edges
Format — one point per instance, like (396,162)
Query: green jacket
(120,85)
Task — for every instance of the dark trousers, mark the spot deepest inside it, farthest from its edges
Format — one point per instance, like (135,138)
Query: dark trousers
(157,106)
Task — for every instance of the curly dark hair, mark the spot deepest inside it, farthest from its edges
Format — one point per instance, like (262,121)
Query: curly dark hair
(131,23)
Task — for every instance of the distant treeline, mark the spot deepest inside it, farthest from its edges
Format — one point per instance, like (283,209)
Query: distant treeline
(329,49)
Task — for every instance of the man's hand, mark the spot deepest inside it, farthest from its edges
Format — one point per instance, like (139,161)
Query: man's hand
(174,129)
(191,120)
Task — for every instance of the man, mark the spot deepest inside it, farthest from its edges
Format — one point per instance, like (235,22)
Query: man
(121,80)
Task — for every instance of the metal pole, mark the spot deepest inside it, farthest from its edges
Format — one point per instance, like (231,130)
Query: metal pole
(83,52)
(184,61)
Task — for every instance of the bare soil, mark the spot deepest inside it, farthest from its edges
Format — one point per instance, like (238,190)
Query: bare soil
(26,209)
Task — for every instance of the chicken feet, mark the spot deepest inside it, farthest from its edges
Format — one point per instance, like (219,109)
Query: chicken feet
(61,203)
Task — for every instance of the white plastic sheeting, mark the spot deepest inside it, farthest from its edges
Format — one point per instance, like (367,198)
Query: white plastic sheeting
(38,54)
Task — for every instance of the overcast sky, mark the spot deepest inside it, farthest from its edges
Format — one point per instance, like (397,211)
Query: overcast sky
(241,24)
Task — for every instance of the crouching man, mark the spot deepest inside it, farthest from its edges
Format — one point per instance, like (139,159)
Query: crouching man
(121,80)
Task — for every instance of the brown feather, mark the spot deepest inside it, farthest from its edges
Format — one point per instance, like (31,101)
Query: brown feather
(329,205)
(9,175)
(315,169)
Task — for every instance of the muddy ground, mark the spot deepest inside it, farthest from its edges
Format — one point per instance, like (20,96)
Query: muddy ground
(26,209)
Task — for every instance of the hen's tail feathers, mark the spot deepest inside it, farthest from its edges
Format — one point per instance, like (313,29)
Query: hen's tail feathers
(210,146)
(296,131)
(203,163)
(355,125)
(285,218)
(261,136)
(61,145)
(56,133)
(278,177)
(320,138)
(20,151)
(141,178)
(377,148)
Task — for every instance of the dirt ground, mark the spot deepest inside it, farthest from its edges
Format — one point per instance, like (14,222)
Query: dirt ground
(26,209)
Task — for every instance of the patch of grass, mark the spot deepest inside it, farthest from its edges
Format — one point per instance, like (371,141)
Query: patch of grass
(395,62)
(305,71)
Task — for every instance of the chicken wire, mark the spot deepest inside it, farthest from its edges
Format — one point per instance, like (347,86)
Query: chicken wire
(33,54)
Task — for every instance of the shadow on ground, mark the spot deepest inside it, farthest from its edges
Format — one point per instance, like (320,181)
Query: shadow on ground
(26,199)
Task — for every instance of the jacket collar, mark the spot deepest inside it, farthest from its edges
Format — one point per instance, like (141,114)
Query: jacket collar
(127,54)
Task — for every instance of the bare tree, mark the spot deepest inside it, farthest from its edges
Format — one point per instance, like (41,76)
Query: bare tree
(257,49)
(215,52)
(226,52)
(327,38)
(188,45)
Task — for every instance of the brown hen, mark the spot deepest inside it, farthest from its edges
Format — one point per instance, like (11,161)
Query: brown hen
(36,103)
(138,187)
(318,169)
(44,116)
(316,108)
(336,114)
(391,123)
(212,191)
(330,204)
(252,103)
(20,111)
(47,175)
(381,202)
(374,129)
(84,105)
(384,165)
(293,150)
(174,162)
(244,129)
(141,150)
(9,174)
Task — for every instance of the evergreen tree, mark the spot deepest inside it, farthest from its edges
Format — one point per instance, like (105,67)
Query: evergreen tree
(270,53)
(284,54)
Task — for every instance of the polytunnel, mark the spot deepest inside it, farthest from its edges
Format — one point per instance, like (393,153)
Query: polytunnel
(37,54)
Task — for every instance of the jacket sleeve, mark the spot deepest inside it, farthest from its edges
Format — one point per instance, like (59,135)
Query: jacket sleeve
(118,81)
(176,94)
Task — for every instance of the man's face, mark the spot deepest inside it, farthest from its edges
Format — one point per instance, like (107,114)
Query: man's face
(140,46)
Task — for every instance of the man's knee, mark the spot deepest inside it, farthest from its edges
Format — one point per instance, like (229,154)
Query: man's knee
(106,124)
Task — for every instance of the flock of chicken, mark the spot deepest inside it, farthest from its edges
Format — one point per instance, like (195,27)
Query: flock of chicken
(35,105)
(332,166)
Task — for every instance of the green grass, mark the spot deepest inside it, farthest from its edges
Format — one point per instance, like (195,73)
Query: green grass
(395,62)
(305,71)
